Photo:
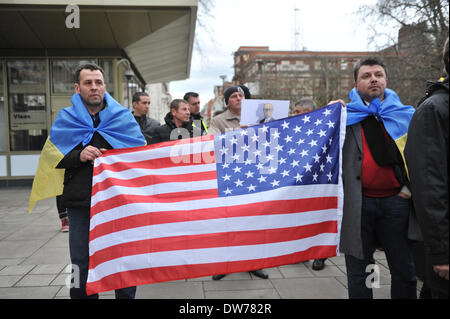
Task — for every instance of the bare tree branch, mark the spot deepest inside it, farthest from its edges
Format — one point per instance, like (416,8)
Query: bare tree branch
(413,54)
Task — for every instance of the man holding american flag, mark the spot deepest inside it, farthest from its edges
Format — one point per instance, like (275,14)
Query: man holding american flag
(81,133)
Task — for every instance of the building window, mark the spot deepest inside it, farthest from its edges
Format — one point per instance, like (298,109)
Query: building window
(63,72)
(3,132)
(27,104)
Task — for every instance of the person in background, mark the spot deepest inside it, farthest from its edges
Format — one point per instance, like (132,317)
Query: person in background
(231,117)
(304,105)
(193,100)
(141,105)
(62,213)
(178,124)
(427,157)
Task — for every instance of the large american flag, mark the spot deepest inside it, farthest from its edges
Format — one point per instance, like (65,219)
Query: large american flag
(247,199)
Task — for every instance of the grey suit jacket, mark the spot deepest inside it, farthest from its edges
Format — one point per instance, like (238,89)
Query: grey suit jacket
(352,156)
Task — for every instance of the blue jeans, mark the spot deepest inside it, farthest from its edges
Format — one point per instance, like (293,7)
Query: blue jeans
(384,222)
(79,219)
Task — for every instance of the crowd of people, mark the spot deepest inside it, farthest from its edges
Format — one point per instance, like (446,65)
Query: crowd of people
(395,173)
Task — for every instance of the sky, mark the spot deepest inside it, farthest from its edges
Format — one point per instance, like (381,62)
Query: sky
(324,25)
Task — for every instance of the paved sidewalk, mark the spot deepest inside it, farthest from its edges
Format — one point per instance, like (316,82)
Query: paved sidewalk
(34,264)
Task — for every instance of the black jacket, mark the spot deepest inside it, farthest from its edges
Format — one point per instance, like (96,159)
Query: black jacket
(78,175)
(427,157)
(146,124)
(170,131)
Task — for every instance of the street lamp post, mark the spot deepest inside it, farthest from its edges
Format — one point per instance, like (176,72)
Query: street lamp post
(129,74)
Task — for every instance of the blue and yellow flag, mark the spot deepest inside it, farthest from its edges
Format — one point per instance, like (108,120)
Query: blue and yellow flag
(73,125)
(394,114)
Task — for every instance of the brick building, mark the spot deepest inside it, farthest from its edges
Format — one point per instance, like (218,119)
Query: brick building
(291,75)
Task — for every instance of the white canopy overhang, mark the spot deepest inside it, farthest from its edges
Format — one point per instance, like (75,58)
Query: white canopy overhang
(157,36)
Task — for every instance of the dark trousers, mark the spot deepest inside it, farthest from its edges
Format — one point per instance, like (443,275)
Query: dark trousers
(79,219)
(384,221)
(62,211)
(437,284)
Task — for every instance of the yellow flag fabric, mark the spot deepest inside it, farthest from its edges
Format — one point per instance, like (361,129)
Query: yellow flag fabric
(48,181)
(401,142)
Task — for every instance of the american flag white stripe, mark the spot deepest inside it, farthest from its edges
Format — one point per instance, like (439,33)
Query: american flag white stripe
(208,255)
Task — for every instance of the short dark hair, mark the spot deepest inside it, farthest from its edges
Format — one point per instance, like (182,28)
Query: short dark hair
(189,94)
(175,104)
(87,66)
(306,102)
(137,96)
(445,56)
(368,61)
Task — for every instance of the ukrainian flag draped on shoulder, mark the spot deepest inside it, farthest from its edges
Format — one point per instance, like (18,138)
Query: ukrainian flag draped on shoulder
(73,125)
(391,111)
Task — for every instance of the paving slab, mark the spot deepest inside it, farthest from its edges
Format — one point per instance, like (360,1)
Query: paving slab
(28,292)
(9,280)
(310,288)
(19,248)
(35,281)
(51,255)
(47,269)
(16,270)
(297,270)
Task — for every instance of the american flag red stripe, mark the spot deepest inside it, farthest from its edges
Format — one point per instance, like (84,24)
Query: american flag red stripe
(153,223)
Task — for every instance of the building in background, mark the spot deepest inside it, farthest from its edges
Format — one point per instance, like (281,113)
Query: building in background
(216,105)
(325,76)
(138,43)
(160,99)
(291,75)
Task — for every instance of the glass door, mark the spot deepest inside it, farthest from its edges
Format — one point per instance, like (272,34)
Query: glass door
(27,104)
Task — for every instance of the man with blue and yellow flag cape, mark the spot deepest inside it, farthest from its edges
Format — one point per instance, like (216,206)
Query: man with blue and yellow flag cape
(73,126)
(94,123)
(376,194)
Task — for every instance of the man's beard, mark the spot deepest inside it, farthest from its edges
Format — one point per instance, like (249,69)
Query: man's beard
(93,105)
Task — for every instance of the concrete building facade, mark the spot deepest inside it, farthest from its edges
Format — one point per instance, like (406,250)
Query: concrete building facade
(41,43)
